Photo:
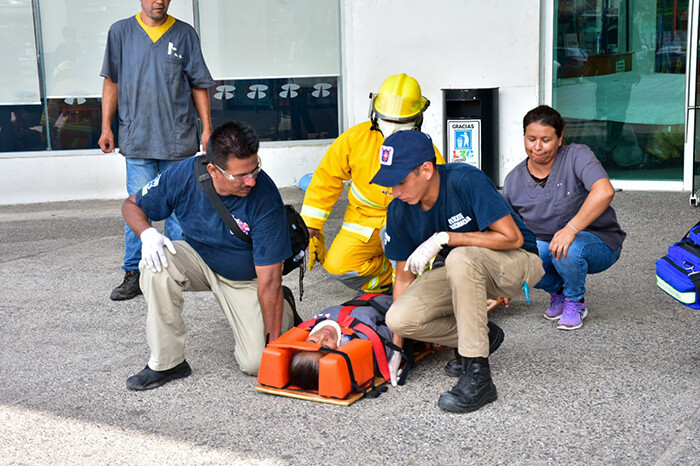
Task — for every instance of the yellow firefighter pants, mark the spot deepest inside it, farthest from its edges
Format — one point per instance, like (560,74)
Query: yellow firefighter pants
(359,264)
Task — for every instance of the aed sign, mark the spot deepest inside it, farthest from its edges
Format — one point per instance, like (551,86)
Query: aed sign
(464,142)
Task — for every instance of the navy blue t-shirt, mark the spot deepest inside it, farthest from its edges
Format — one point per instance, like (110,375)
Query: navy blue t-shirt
(260,214)
(468,202)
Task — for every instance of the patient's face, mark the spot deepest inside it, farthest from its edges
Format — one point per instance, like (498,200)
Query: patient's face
(326,336)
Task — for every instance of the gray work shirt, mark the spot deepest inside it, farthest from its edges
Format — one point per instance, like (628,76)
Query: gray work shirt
(157,116)
(547,209)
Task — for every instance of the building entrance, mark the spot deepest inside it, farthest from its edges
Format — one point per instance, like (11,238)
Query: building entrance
(620,80)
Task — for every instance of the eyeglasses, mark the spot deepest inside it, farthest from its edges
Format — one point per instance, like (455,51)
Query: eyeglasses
(242,178)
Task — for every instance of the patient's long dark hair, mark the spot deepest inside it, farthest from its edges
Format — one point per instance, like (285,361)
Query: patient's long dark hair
(303,369)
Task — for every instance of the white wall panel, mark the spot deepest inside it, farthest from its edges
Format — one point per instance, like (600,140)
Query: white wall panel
(91,176)
(447,44)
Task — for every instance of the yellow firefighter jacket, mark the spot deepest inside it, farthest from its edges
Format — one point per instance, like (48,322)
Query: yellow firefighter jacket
(354,155)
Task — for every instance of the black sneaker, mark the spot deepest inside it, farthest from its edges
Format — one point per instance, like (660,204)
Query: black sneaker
(473,390)
(148,378)
(454,367)
(129,287)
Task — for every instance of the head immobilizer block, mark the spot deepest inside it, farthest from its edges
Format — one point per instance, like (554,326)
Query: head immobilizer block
(334,377)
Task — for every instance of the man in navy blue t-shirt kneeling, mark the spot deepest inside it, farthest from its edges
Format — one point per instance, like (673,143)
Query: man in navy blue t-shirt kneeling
(246,278)
(453,212)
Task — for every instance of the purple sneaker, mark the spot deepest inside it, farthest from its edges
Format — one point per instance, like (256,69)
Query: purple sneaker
(574,313)
(556,306)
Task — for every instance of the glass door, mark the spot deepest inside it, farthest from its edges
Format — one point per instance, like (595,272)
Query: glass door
(693,145)
(619,80)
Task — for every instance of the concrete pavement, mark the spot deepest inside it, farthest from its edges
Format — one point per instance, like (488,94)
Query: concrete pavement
(624,389)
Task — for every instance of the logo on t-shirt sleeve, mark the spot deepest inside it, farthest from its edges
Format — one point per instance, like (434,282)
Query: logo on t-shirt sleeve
(386,155)
(151,184)
(458,221)
(245,228)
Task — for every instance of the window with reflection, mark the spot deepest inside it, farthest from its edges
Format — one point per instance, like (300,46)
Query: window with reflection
(277,63)
(287,109)
(20,97)
(278,68)
(74,34)
(619,81)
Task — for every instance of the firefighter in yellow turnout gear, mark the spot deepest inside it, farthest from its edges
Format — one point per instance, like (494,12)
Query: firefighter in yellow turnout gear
(356,257)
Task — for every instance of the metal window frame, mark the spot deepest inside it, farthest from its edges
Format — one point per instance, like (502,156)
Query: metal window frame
(41,68)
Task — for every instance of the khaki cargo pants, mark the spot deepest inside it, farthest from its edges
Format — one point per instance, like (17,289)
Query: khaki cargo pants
(447,305)
(165,328)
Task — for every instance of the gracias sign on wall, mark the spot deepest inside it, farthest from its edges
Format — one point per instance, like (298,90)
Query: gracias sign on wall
(464,142)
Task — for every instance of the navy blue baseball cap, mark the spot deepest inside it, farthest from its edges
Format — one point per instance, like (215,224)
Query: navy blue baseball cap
(402,152)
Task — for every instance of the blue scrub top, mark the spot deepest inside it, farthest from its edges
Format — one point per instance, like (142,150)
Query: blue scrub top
(157,116)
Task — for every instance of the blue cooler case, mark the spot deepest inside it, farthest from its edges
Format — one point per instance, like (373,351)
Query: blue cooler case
(678,272)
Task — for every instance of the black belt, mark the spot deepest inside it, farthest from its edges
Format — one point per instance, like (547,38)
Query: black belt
(534,250)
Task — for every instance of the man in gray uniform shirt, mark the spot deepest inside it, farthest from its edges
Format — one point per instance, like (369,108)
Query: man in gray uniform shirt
(155,74)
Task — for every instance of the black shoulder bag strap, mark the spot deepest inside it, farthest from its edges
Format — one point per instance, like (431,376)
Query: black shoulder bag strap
(204,180)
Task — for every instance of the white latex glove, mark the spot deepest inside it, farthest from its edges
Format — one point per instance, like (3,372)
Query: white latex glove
(419,258)
(152,251)
(394,371)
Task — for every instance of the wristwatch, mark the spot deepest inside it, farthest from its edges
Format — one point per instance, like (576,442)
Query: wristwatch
(443,238)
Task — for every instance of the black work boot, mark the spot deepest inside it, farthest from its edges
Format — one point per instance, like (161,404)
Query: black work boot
(129,287)
(473,390)
(453,368)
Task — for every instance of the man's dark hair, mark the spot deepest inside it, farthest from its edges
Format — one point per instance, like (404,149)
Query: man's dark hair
(303,369)
(416,169)
(545,115)
(233,139)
